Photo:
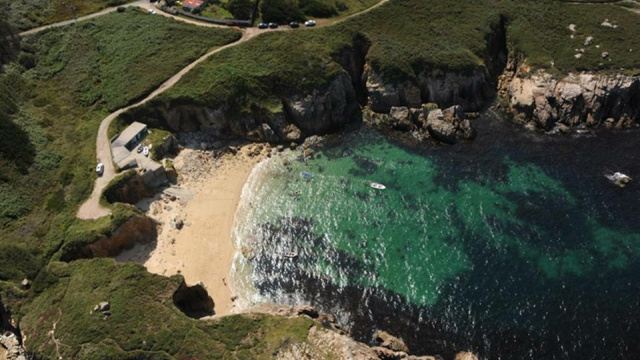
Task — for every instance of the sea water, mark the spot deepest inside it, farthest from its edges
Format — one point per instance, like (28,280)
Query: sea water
(513,246)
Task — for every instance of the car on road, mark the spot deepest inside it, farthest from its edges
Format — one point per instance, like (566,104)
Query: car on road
(145,151)
(273,26)
(310,23)
(100,169)
(263,26)
(294,25)
(152,12)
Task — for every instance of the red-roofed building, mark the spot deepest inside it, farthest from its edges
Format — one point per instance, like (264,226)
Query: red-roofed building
(193,5)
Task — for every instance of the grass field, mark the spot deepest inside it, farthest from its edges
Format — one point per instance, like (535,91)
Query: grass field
(144,323)
(27,14)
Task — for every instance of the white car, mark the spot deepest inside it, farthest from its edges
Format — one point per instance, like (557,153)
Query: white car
(100,169)
(145,151)
(152,12)
(310,23)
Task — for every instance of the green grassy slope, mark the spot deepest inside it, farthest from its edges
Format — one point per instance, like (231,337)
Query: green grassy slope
(27,14)
(76,76)
(421,34)
(144,322)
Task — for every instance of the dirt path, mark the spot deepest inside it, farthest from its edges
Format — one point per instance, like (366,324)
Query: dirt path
(91,209)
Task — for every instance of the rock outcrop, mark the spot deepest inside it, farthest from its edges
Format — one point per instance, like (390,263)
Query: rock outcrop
(330,341)
(445,88)
(138,229)
(583,99)
(319,111)
(130,190)
(323,111)
(448,126)
(10,348)
(390,342)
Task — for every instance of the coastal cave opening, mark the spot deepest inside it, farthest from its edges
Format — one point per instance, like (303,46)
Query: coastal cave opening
(193,301)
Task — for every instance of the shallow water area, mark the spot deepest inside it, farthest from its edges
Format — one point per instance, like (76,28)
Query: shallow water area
(514,246)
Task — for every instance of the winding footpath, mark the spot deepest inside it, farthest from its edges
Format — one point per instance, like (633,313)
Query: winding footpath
(91,208)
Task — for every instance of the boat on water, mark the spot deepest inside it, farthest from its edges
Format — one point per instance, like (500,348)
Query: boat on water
(291,255)
(378,186)
(619,179)
(296,193)
(306,175)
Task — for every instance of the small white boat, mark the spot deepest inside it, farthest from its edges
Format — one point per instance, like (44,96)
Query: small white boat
(378,186)
(291,255)
(619,179)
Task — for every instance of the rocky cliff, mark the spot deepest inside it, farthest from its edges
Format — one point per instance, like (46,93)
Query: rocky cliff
(327,340)
(138,229)
(585,99)
(472,90)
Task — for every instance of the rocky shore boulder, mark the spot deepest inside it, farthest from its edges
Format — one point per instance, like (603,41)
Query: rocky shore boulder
(449,125)
(390,342)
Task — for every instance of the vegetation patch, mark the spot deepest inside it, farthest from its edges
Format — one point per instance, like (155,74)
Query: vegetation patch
(27,14)
(143,321)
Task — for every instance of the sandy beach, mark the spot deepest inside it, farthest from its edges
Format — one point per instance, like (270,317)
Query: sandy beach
(202,251)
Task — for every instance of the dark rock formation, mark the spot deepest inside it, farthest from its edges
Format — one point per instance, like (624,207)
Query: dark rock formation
(130,190)
(321,112)
(138,229)
(194,300)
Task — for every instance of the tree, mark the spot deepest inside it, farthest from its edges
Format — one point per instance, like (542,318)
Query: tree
(241,9)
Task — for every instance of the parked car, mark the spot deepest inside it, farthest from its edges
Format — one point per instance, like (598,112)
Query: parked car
(139,149)
(100,169)
(263,26)
(152,12)
(294,25)
(273,26)
(145,151)
(310,23)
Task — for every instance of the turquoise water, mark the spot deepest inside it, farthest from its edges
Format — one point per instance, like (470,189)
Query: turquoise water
(514,246)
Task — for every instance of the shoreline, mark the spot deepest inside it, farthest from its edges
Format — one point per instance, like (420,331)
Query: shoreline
(203,251)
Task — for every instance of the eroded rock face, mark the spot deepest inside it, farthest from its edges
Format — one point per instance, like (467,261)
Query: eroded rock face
(324,344)
(575,100)
(323,111)
(471,91)
(138,229)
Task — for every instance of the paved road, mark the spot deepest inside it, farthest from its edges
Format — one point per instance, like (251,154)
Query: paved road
(91,209)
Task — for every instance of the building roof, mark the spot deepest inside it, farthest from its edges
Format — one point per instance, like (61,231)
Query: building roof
(193,4)
(129,134)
